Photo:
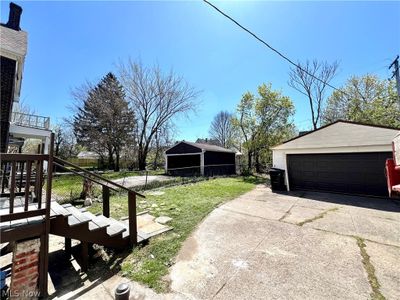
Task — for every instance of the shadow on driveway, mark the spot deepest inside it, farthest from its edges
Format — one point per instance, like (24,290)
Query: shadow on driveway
(378,203)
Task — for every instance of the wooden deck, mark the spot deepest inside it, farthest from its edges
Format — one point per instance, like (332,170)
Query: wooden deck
(27,211)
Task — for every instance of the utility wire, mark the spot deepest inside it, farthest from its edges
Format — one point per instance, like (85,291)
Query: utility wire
(272,48)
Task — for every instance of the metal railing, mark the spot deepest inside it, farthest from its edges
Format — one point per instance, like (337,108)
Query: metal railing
(33,121)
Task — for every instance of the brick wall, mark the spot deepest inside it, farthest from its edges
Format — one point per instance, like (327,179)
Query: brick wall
(7,67)
(25,269)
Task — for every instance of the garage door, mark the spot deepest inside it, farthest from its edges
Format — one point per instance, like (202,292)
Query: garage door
(355,173)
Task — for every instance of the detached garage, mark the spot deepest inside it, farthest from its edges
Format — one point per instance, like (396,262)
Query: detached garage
(194,159)
(344,157)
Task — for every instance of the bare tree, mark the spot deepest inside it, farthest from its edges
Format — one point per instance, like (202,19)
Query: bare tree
(157,98)
(222,129)
(58,139)
(304,80)
(162,140)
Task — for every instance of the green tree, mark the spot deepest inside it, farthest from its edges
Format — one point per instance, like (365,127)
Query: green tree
(103,121)
(263,120)
(365,99)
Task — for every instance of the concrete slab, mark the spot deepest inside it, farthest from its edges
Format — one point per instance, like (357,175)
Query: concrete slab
(134,181)
(243,251)
(377,229)
(386,260)
(279,260)
(335,221)
(208,258)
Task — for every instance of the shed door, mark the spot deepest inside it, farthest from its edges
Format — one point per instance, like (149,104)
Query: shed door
(355,173)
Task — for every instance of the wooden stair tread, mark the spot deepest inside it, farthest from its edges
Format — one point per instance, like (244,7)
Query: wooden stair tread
(114,227)
(56,210)
(76,216)
(95,223)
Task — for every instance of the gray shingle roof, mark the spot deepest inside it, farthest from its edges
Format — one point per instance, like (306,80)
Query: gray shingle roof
(208,147)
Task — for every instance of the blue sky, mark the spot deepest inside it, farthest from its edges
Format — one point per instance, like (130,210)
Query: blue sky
(70,42)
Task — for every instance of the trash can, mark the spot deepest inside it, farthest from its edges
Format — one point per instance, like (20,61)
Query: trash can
(277,177)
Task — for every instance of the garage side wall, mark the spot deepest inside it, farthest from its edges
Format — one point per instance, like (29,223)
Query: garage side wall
(183,165)
(219,163)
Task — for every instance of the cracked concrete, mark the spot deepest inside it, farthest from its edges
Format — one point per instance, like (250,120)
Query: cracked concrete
(251,248)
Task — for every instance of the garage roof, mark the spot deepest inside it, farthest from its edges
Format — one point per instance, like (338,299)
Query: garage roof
(205,147)
(342,134)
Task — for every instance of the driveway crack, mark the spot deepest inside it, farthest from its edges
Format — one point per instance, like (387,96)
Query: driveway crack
(317,217)
(370,269)
(287,212)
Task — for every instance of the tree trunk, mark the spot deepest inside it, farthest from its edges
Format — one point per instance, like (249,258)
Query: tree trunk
(249,161)
(110,160)
(141,159)
(143,151)
(117,155)
(155,163)
(87,189)
(257,163)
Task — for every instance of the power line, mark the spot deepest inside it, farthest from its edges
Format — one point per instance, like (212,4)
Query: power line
(272,48)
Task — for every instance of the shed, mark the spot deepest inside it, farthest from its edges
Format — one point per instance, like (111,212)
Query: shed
(344,157)
(88,155)
(191,159)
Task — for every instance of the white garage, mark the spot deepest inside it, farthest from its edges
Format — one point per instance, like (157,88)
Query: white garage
(344,157)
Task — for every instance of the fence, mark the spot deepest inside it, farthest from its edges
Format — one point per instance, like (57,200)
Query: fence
(209,170)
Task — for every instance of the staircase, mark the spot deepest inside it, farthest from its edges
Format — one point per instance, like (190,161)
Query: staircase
(78,224)
(72,223)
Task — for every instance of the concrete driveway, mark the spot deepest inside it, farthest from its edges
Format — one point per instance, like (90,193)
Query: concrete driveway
(299,246)
(134,181)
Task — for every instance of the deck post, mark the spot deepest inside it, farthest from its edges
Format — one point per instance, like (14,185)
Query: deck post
(84,255)
(106,201)
(68,245)
(132,218)
(44,251)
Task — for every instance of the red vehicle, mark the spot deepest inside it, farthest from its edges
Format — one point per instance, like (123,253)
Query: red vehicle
(393,169)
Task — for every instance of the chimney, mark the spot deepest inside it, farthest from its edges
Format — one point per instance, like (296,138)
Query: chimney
(14,16)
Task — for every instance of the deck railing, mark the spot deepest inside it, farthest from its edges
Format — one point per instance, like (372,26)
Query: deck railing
(22,180)
(30,120)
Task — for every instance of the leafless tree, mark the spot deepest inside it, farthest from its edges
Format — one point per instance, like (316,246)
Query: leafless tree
(162,140)
(222,129)
(157,99)
(304,80)
(58,139)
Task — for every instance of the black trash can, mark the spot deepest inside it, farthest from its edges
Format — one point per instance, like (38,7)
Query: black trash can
(277,177)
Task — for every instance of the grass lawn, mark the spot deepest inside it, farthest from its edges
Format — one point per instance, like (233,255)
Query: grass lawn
(187,205)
